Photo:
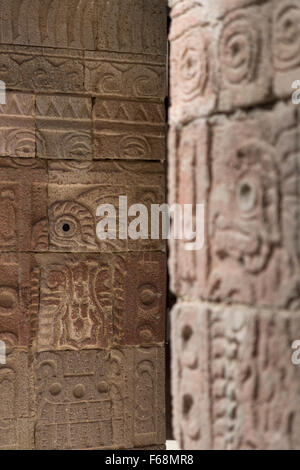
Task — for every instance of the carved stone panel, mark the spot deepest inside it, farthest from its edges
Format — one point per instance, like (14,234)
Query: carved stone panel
(98,399)
(235,385)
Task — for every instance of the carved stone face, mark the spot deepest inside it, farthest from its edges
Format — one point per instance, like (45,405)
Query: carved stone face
(245,207)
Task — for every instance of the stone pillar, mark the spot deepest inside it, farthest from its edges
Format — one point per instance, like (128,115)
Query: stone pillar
(234,146)
(82,319)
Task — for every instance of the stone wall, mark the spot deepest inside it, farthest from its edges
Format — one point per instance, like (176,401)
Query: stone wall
(82,319)
(234,146)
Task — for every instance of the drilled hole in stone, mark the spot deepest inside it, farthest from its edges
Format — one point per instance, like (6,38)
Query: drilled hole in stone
(247,197)
(66,227)
(188,402)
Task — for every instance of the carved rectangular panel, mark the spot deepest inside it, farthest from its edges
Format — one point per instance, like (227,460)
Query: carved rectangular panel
(235,363)
(131,26)
(189,157)
(129,130)
(42,69)
(17,125)
(14,314)
(16,414)
(64,127)
(125,75)
(126,26)
(74,205)
(98,399)
(95,301)
(23,205)
(254,207)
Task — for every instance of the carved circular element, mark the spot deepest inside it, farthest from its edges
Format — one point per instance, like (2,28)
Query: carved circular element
(79,391)
(192,64)
(55,389)
(8,300)
(286,36)
(134,146)
(238,49)
(148,295)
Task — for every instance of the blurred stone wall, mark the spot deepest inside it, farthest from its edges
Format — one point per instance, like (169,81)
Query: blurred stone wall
(234,146)
(82,319)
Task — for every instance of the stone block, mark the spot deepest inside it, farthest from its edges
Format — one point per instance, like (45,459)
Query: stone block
(192,88)
(242,55)
(41,69)
(64,127)
(189,157)
(129,130)
(254,209)
(125,75)
(17,125)
(96,301)
(98,399)
(285,46)
(131,26)
(73,205)
(23,205)
(241,359)
(16,406)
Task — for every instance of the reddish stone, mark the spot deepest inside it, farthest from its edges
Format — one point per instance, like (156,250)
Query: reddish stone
(234,384)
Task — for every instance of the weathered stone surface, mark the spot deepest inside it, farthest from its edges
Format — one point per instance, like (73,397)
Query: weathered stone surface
(221,57)
(125,26)
(42,69)
(23,205)
(253,222)
(73,205)
(129,130)
(192,87)
(96,301)
(64,127)
(125,75)
(16,404)
(189,157)
(235,386)
(98,399)
(17,125)
(285,45)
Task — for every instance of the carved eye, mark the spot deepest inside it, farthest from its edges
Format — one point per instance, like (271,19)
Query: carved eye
(246,196)
(66,226)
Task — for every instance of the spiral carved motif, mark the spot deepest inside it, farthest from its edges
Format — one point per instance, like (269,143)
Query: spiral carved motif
(286,37)
(238,49)
(192,64)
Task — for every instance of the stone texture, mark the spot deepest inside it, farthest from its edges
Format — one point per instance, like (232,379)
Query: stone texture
(128,26)
(23,205)
(234,146)
(129,130)
(17,126)
(96,301)
(75,204)
(285,45)
(64,127)
(16,406)
(125,75)
(83,320)
(235,385)
(97,399)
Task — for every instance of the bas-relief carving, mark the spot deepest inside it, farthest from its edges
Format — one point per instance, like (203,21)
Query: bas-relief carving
(237,388)
(95,399)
